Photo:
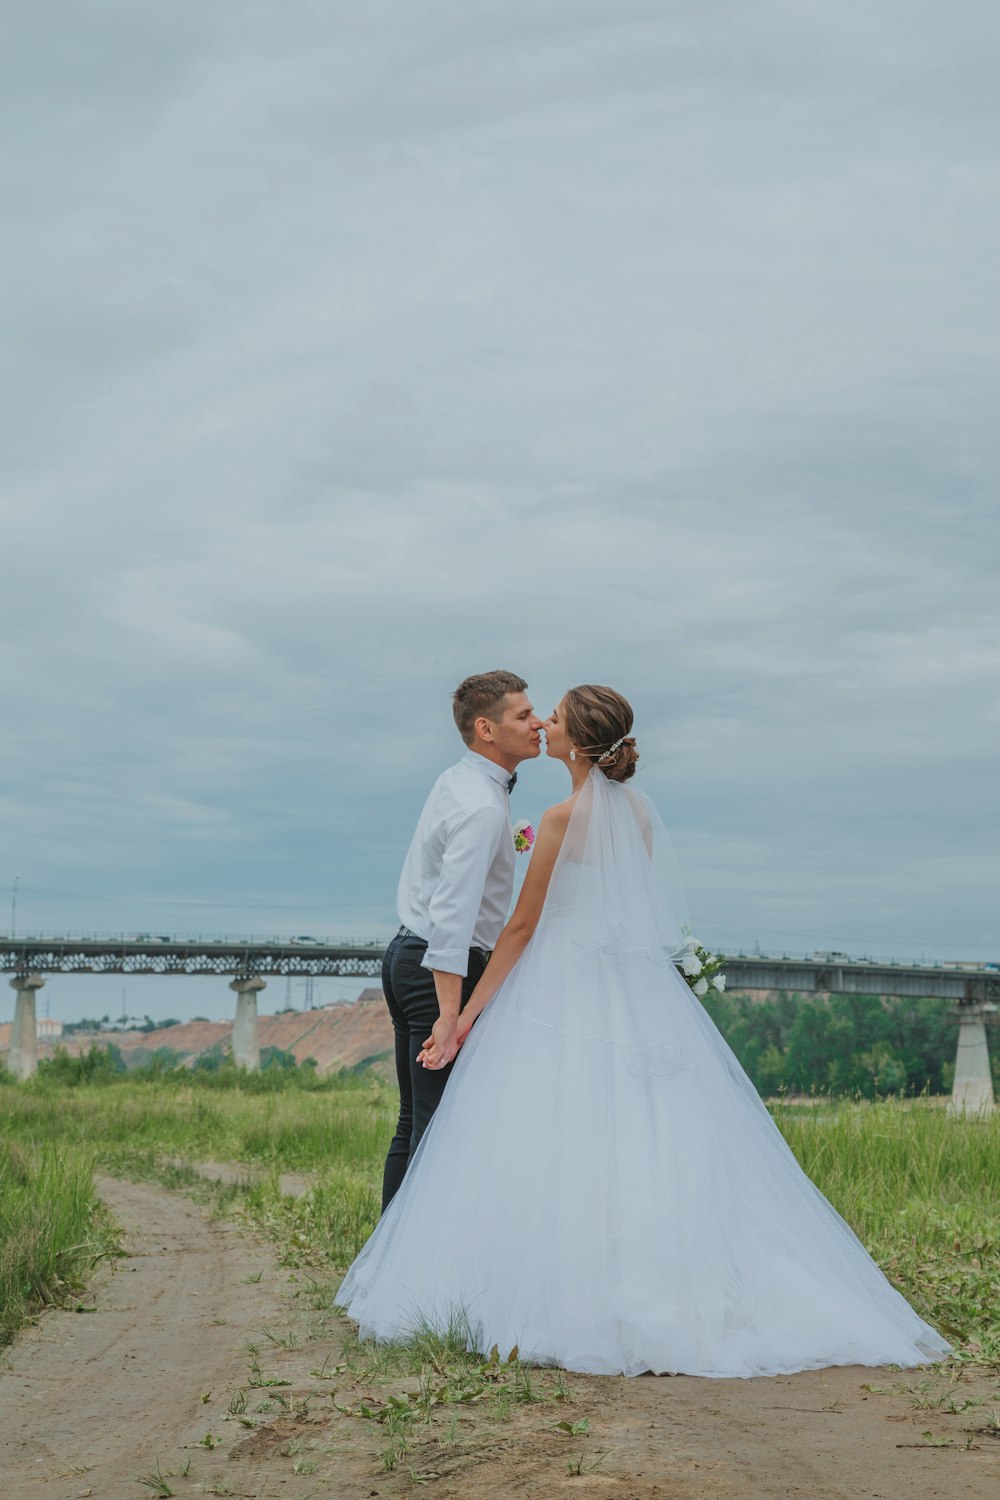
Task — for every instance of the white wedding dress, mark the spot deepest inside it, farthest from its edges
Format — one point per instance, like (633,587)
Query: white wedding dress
(601,1184)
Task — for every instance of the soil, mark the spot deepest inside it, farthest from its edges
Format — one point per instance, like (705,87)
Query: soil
(154,1374)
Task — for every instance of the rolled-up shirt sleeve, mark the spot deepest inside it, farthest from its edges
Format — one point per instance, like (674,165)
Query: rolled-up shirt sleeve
(471,845)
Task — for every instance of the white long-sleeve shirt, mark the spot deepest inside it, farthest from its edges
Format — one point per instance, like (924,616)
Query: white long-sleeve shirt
(458,876)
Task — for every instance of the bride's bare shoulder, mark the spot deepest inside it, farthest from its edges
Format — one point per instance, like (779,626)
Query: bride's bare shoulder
(551,833)
(557,817)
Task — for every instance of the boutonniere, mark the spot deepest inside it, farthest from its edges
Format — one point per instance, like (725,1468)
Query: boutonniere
(524,836)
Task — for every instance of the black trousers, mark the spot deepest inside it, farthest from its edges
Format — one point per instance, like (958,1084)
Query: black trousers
(412,1001)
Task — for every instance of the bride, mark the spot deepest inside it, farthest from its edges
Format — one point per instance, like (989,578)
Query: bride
(601,1185)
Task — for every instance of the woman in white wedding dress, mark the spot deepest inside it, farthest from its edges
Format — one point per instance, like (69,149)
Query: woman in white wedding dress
(601,1185)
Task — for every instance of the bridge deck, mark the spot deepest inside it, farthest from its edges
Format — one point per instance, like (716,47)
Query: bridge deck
(244,956)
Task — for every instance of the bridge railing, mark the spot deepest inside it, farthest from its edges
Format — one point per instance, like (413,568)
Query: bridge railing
(225,939)
(371,943)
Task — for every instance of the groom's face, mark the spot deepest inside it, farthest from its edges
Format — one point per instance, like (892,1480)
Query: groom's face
(516,732)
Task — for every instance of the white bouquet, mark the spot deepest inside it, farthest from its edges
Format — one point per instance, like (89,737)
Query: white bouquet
(701,969)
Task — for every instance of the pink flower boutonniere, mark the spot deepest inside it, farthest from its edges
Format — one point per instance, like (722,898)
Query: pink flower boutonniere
(524,837)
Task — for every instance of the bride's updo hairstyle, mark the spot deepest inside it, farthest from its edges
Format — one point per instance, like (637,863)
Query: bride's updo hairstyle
(598,720)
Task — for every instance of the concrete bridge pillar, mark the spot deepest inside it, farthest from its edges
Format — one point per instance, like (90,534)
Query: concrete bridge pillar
(972,1091)
(246,1047)
(22,1060)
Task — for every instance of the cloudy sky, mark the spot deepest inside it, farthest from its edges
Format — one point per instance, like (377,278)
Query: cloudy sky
(349,349)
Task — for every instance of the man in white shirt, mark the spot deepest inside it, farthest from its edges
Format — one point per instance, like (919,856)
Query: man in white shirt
(454,895)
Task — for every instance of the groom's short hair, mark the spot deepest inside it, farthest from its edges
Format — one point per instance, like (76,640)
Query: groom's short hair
(482,695)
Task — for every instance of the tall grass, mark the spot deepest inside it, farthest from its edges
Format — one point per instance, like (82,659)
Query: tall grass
(349,1124)
(878,1161)
(339,1133)
(52,1229)
(922,1192)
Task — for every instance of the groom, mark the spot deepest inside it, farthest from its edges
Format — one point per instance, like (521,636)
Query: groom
(454,895)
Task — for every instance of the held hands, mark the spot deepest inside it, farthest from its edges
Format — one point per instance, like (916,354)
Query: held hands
(441,1047)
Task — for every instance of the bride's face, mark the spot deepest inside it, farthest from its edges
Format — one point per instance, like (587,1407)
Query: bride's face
(557,741)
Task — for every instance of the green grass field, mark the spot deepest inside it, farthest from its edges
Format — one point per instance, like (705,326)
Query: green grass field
(53,1230)
(922,1190)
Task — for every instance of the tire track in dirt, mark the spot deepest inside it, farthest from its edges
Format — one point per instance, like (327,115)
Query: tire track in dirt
(90,1402)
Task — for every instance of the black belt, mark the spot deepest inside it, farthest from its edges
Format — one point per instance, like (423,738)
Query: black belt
(483,953)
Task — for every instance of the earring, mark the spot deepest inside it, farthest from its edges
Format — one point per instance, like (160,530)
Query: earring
(572,755)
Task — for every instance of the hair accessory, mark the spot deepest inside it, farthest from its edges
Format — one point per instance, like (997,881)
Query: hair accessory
(601,759)
(606,754)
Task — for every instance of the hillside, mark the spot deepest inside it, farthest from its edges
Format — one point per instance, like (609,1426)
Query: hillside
(337,1036)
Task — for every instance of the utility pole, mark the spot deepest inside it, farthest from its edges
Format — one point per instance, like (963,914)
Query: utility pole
(13,905)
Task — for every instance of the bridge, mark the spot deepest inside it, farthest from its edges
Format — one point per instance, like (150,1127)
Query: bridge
(245,957)
(965,984)
(248,959)
(973,989)
(318,958)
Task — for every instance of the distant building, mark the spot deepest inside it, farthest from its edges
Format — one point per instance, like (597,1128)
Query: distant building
(370,993)
(48,1030)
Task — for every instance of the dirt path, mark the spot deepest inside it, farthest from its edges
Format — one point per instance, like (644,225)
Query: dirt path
(236,1173)
(174,1352)
(92,1401)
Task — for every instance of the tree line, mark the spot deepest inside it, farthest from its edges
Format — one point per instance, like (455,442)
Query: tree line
(861,1045)
(845,1045)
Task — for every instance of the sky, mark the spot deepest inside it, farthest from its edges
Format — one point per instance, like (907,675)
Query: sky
(351,349)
